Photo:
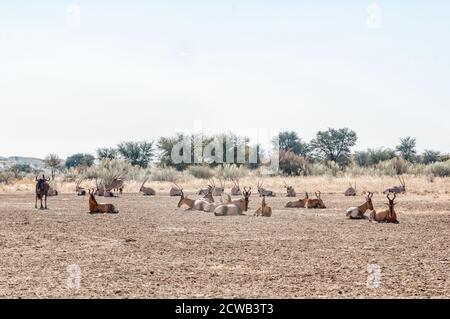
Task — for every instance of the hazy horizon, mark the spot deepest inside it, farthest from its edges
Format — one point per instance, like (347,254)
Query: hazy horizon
(132,70)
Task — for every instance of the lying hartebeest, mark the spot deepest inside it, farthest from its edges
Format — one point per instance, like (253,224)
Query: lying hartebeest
(234,207)
(315,202)
(358,212)
(385,216)
(298,203)
(265,210)
(42,187)
(95,207)
(243,202)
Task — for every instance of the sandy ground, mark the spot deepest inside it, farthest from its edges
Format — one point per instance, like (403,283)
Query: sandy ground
(151,249)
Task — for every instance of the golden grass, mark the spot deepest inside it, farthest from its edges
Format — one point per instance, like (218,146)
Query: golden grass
(326,184)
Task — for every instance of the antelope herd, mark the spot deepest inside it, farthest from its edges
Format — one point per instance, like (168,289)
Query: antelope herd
(226,206)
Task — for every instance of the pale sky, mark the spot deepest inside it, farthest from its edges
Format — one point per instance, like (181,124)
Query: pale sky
(136,70)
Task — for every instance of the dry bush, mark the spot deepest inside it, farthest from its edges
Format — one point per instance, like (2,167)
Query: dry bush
(108,170)
(165,174)
(439,169)
(232,171)
(201,171)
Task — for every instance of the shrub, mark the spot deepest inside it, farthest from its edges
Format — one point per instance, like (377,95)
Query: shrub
(108,170)
(201,171)
(165,174)
(6,176)
(293,164)
(440,169)
(232,171)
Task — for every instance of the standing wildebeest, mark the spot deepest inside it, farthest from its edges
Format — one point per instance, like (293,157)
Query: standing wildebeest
(42,187)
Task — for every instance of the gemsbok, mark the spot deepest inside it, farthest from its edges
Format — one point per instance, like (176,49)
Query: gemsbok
(116,186)
(80,190)
(208,197)
(147,191)
(316,203)
(290,191)
(264,192)
(300,203)
(397,189)
(265,210)
(95,207)
(102,191)
(385,216)
(207,189)
(236,189)
(42,187)
(350,190)
(175,191)
(52,192)
(218,191)
(358,212)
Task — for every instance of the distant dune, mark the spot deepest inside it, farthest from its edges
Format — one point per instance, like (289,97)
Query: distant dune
(6,162)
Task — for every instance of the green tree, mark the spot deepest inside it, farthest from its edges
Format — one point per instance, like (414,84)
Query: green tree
(80,160)
(429,156)
(373,156)
(289,141)
(106,153)
(53,162)
(137,153)
(334,145)
(407,148)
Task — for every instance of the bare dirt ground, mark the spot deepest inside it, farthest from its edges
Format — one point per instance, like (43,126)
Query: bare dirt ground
(151,249)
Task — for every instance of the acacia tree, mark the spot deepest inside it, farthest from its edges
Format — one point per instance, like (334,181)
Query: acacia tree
(80,160)
(334,145)
(430,156)
(53,162)
(106,153)
(18,169)
(407,148)
(137,153)
(289,141)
